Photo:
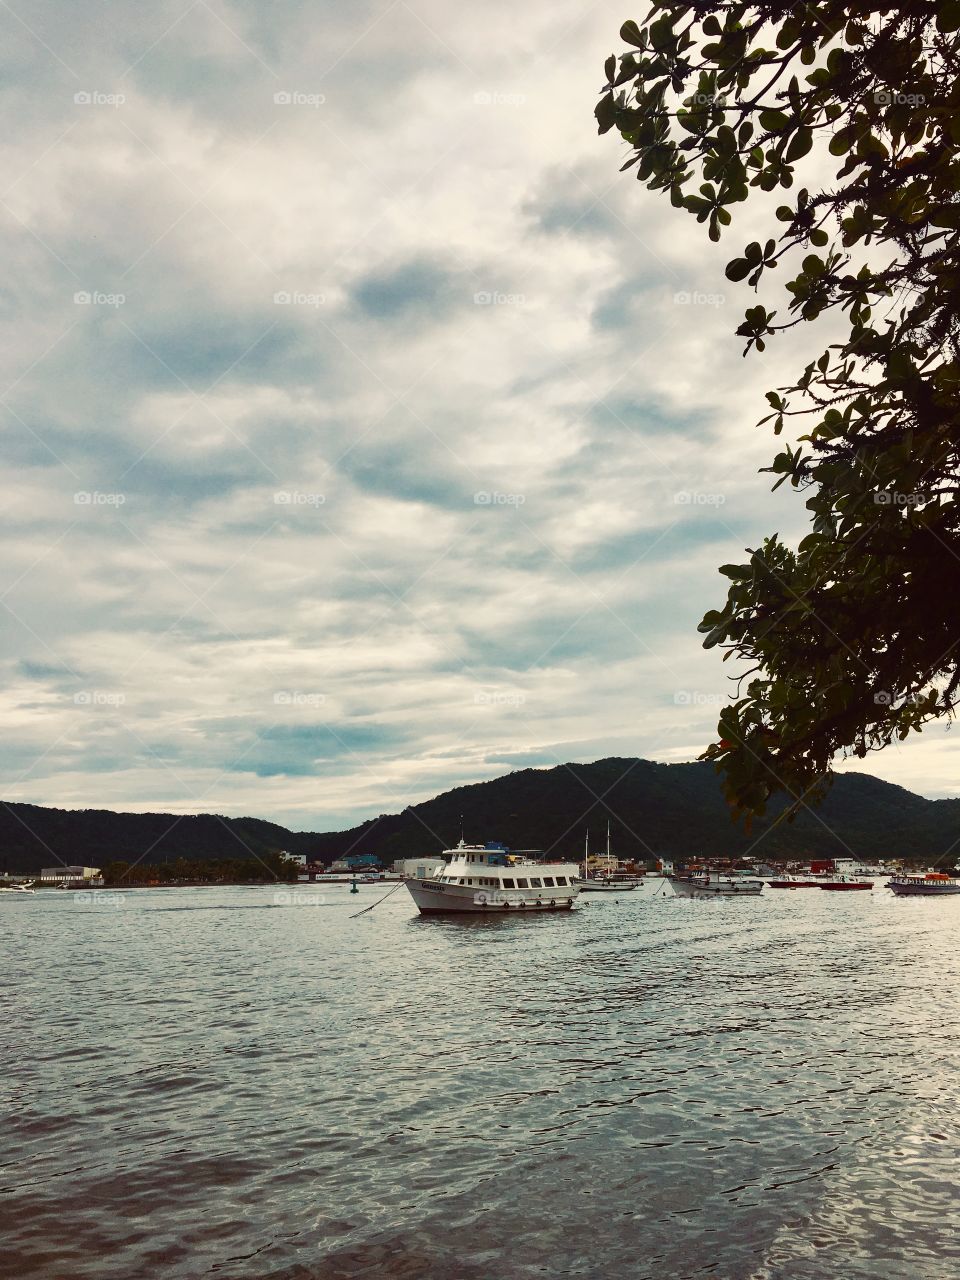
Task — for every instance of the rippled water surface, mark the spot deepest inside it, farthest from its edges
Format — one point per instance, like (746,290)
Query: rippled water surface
(212,1083)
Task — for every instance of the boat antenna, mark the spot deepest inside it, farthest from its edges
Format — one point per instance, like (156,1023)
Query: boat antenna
(461,828)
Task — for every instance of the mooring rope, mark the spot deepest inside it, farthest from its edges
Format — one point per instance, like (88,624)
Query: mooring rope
(398,885)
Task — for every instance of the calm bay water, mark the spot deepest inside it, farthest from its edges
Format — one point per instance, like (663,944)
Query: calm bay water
(210,1083)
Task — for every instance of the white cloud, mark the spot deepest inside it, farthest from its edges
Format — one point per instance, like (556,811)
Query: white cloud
(479,304)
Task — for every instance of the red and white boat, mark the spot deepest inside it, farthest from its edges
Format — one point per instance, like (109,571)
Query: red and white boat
(796,882)
(845,882)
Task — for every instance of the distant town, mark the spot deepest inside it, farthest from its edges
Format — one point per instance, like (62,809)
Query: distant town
(367,867)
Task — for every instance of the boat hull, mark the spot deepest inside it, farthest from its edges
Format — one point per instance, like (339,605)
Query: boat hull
(434,898)
(716,888)
(585,887)
(922,890)
(842,886)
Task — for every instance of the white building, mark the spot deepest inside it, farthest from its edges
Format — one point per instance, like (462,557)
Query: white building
(418,868)
(68,875)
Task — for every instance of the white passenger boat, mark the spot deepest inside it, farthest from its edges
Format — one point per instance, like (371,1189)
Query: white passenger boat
(489,878)
(932,883)
(712,884)
(16,888)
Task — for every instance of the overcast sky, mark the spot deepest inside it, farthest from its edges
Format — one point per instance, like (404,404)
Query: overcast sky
(366,432)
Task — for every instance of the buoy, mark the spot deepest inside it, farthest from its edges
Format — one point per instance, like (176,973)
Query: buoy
(353,886)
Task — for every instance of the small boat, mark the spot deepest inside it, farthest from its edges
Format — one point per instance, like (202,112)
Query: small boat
(605,886)
(928,885)
(712,884)
(845,882)
(485,878)
(795,882)
(16,888)
(609,883)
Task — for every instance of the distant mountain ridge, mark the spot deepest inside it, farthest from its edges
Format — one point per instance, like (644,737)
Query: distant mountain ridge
(667,810)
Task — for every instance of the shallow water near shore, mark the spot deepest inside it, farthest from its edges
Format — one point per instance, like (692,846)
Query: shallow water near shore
(216,1083)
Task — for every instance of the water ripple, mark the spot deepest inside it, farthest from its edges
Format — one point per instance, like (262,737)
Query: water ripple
(209,1084)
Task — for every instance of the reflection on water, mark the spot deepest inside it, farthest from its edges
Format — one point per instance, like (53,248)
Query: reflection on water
(207,1083)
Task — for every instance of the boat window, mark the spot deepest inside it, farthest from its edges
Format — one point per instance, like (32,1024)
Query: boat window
(508,884)
(561,880)
(548,882)
(535,884)
(522,884)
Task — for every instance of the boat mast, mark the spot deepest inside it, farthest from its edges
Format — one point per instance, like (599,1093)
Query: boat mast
(586,855)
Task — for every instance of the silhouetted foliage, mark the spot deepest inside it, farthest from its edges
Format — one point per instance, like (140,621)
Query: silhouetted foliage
(853,636)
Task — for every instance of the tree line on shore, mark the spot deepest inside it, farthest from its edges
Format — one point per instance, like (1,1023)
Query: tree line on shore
(271,868)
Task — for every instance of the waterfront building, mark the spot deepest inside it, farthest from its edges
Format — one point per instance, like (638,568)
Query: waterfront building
(68,875)
(418,868)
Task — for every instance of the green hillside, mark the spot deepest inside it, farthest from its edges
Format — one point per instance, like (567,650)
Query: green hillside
(669,810)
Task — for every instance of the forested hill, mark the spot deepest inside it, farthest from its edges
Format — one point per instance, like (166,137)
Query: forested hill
(654,809)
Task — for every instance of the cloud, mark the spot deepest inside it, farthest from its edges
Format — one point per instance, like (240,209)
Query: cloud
(417,288)
(366,433)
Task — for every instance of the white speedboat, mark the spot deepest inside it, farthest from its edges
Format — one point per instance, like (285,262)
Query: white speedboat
(16,888)
(489,878)
(712,884)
